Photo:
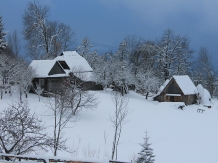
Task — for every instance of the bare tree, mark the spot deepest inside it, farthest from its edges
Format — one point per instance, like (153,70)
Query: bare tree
(204,71)
(45,39)
(14,44)
(143,57)
(61,117)
(65,104)
(22,132)
(118,119)
(1,90)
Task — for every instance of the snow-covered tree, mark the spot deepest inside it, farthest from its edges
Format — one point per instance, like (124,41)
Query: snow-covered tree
(123,51)
(39,90)
(102,71)
(147,82)
(45,38)
(22,132)
(204,72)
(173,55)
(146,154)
(120,69)
(143,57)
(85,48)
(3,43)
(15,71)
(120,74)
(24,80)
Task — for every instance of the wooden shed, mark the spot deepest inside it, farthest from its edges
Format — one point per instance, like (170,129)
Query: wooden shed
(178,89)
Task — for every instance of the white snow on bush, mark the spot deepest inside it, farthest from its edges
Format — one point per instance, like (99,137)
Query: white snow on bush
(203,95)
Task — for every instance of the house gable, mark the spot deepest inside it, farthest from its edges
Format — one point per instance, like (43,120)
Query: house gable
(56,69)
(185,84)
(172,88)
(76,64)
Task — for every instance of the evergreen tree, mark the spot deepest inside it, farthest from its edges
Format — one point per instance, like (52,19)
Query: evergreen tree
(146,155)
(3,43)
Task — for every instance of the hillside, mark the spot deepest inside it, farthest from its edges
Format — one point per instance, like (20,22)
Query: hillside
(177,136)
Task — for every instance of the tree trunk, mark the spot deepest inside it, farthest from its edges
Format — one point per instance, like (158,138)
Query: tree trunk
(147,95)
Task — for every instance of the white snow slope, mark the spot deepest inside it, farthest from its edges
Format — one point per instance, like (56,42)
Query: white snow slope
(177,136)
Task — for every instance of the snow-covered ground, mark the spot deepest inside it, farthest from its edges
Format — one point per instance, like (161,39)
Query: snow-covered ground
(177,136)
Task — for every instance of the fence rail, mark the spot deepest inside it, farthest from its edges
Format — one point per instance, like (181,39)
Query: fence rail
(9,158)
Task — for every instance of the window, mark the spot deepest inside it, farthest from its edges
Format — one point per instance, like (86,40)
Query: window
(64,65)
(42,82)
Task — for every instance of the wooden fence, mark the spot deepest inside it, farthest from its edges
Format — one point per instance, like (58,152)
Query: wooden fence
(9,158)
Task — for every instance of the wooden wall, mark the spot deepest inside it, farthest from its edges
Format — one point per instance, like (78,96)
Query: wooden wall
(173,88)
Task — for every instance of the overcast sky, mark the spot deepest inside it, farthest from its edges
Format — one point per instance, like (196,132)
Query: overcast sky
(108,22)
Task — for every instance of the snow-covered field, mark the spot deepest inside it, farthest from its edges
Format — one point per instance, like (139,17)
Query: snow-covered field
(177,136)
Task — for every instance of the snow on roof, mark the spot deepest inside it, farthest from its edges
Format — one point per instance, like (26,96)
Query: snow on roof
(185,84)
(162,86)
(173,94)
(74,61)
(43,67)
(77,64)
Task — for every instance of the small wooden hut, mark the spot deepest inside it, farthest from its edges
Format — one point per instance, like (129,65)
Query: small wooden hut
(178,89)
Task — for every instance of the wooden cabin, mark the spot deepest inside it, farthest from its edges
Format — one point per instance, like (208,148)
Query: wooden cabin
(49,74)
(178,89)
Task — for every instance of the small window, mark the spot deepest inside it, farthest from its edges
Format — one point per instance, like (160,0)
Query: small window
(41,82)
(64,65)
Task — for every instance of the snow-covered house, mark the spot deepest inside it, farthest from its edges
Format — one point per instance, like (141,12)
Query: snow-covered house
(178,89)
(49,74)
(71,61)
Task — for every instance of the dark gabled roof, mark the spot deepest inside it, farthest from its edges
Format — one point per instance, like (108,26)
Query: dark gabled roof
(64,65)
